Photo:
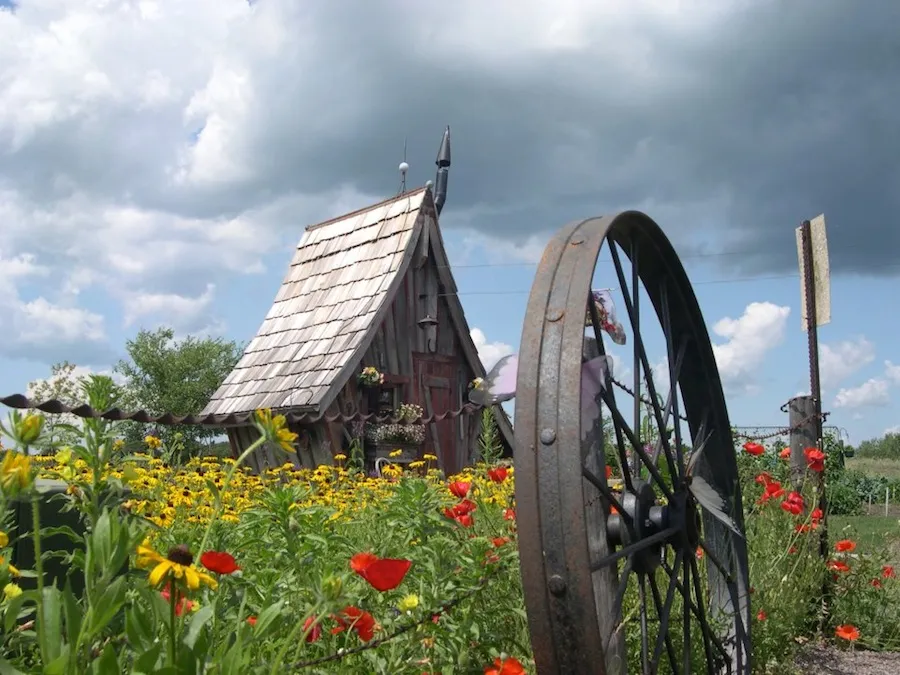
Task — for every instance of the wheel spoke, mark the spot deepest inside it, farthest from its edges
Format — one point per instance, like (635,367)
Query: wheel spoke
(663,611)
(640,354)
(637,547)
(674,373)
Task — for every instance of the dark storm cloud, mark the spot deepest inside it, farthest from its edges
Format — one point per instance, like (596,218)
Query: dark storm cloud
(786,112)
(782,111)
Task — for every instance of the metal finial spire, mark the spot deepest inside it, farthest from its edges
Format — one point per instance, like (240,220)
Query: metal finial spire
(443,164)
(404,167)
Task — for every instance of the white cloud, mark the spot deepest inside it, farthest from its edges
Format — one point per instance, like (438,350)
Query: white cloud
(750,338)
(892,372)
(489,352)
(179,311)
(37,325)
(892,430)
(839,361)
(871,393)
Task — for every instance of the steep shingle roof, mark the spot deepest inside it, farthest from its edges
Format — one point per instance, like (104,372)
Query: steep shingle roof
(340,277)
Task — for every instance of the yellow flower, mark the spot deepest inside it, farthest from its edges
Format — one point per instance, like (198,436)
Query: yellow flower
(29,429)
(12,591)
(340,457)
(15,470)
(408,602)
(64,456)
(118,444)
(430,457)
(395,453)
(4,539)
(12,569)
(177,565)
(152,442)
(275,430)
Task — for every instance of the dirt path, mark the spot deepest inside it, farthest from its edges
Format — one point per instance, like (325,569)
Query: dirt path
(820,660)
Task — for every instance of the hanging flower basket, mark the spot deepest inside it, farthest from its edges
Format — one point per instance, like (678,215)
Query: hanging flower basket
(370,377)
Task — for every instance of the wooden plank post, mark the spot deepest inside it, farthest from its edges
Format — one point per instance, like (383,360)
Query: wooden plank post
(804,434)
(815,286)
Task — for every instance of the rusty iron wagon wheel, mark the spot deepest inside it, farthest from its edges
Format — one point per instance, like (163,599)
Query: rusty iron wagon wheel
(631,540)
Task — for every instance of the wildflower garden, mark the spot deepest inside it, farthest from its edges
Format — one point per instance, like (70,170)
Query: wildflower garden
(205,567)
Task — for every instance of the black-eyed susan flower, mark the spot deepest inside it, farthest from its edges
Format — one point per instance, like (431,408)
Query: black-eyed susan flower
(178,565)
(15,471)
(275,430)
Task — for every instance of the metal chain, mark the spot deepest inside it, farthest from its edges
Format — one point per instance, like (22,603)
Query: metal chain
(783,431)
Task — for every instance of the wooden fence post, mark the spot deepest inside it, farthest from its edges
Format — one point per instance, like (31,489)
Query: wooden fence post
(804,434)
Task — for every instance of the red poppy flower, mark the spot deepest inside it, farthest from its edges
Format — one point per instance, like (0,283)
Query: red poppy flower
(499,541)
(785,453)
(763,478)
(876,583)
(815,459)
(509,514)
(793,503)
(465,520)
(773,490)
(509,666)
(251,620)
(887,571)
(460,489)
(754,449)
(608,472)
(838,566)
(761,616)
(816,514)
(464,507)
(847,632)
(845,546)
(384,574)
(356,619)
(498,474)
(219,562)
(803,528)
(316,631)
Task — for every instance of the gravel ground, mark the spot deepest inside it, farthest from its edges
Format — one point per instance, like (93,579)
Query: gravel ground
(819,660)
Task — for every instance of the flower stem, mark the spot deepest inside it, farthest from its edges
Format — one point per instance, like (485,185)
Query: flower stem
(39,568)
(276,664)
(173,599)
(215,516)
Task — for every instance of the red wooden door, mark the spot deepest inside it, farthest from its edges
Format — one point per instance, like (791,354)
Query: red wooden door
(436,380)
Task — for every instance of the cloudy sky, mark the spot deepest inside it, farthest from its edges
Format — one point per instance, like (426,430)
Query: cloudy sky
(159,160)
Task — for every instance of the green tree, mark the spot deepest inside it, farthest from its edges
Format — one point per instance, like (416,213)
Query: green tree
(65,386)
(164,375)
(886,447)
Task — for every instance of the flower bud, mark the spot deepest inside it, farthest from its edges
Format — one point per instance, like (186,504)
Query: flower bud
(332,588)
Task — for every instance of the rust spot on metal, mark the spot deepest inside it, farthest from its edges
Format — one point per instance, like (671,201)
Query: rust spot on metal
(556,584)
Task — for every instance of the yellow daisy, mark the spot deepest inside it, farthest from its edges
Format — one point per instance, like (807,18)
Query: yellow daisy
(177,565)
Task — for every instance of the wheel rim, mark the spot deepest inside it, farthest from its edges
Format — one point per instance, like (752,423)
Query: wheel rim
(583,566)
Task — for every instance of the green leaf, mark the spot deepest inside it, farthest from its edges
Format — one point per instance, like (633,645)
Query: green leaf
(14,608)
(58,665)
(47,532)
(51,627)
(266,617)
(107,606)
(146,662)
(107,664)
(6,668)
(138,627)
(73,614)
(198,621)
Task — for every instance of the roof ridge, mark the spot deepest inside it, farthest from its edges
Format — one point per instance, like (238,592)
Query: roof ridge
(370,207)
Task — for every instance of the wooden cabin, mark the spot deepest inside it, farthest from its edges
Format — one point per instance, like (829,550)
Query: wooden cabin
(369,289)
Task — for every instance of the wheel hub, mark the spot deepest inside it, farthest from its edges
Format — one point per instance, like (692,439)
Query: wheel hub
(647,518)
